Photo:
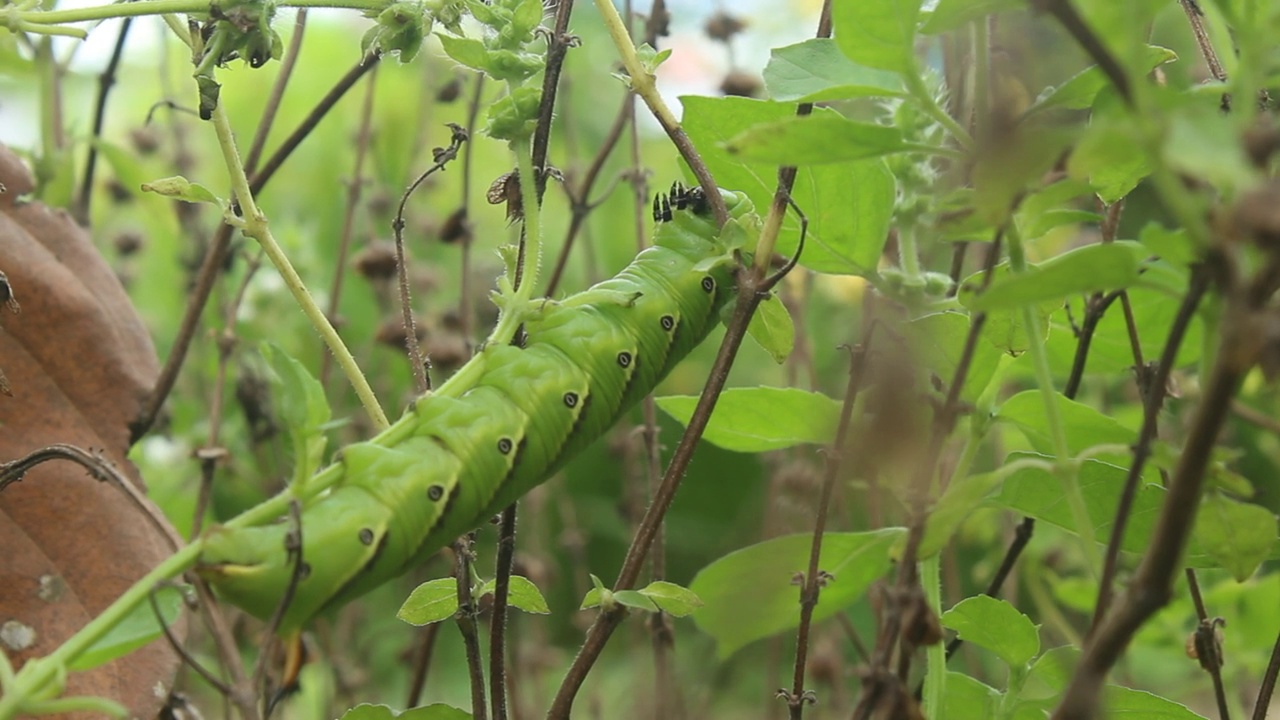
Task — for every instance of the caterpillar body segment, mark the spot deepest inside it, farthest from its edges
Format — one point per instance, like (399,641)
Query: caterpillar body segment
(515,415)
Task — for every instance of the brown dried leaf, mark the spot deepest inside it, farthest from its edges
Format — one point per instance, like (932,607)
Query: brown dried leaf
(79,365)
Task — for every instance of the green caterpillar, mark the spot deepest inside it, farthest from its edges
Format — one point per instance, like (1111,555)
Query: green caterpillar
(503,424)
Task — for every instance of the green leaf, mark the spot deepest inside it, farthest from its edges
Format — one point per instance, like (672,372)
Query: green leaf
(521,594)
(995,625)
(438,711)
(1050,673)
(649,58)
(430,602)
(527,17)
(1092,268)
(939,340)
(1238,535)
(1133,704)
(1081,89)
(137,628)
(1110,156)
(951,14)
(1085,427)
(750,593)
(598,595)
(816,140)
(1005,329)
(772,328)
(635,599)
(303,409)
(179,188)
(1205,143)
(1040,494)
(961,498)
(762,418)
(966,697)
(878,33)
(465,51)
(671,598)
(1171,245)
(848,205)
(816,71)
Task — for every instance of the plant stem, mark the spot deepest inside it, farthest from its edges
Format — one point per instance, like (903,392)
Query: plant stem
(1067,470)
(935,679)
(256,228)
(643,85)
(36,677)
(162,7)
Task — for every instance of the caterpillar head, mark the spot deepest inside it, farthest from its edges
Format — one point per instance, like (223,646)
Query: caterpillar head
(694,200)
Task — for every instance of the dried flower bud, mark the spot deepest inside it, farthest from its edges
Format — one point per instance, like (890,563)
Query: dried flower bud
(739,83)
(722,26)
(377,261)
(449,91)
(128,242)
(145,139)
(457,228)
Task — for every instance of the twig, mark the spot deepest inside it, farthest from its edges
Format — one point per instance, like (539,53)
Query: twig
(1075,25)
(216,255)
(354,187)
(1208,649)
(1153,584)
(579,206)
(558,44)
(498,621)
(464,285)
(1263,703)
(466,619)
(443,156)
(80,210)
(100,469)
(642,83)
(287,63)
(1195,18)
(814,578)
(180,649)
(1153,393)
(322,108)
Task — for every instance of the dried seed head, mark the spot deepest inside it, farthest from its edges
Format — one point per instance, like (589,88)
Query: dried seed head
(448,351)
(128,242)
(1261,141)
(449,91)
(739,83)
(379,202)
(118,192)
(457,228)
(1257,214)
(145,139)
(722,26)
(391,332)
(377,260)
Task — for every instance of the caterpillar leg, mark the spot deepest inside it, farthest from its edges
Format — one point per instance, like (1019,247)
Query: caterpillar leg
(295,656)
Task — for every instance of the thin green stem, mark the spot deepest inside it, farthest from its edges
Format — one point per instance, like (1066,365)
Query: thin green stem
(161,7)
(935,679)
(39,675)
(256,227)
(908,253)
(514,307)
(1066,468)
